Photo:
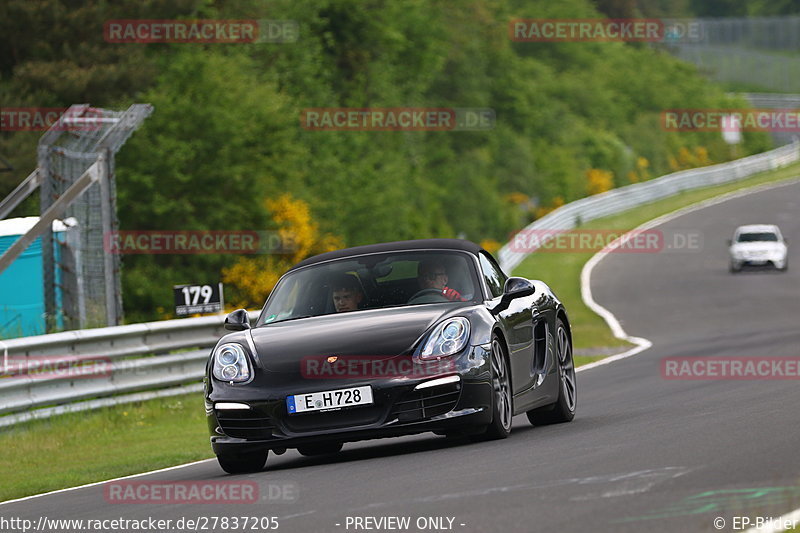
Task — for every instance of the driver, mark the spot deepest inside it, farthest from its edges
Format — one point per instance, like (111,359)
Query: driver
(432,274)
(347,293)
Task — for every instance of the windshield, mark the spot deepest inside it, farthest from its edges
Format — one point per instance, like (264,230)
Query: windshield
(373,281)
(757,237)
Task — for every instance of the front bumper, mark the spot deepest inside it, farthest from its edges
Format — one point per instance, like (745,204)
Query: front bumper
(759,261)
(398,409)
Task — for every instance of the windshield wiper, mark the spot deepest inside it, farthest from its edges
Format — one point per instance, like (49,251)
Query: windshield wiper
(288,319)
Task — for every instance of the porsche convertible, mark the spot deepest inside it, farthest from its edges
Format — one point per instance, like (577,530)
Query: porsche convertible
(386,340)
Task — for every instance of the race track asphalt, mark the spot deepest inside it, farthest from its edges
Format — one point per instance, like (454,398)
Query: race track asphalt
(644,453)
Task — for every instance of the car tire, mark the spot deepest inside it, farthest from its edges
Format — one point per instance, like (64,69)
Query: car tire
(563,410)
(733,268)
(243,463)
(502,400)
(325,448)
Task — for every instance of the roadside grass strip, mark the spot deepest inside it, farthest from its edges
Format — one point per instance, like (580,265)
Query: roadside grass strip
(93,446)
(562,270)
(79,448)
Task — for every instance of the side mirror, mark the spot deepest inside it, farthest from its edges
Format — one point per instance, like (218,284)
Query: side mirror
(730,242)
(237,320)
(516,287)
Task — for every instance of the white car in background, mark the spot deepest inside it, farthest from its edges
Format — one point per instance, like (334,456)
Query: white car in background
(758,245)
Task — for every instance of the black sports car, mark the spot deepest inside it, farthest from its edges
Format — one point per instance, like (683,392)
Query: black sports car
(383,340)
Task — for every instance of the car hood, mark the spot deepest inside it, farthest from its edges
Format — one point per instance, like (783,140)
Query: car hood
(748,247)
(374,332)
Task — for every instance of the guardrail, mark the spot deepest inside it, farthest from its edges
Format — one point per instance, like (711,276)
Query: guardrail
(773,100)
(785,102)
(141,357)
(618,200)
(124,359)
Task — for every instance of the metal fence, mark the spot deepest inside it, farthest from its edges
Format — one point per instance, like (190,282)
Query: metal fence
(746,50)
(123,359)
(767,33)
(75,175)
(87,276)
(773,100)
(168,357)
(624,198)
(776,101)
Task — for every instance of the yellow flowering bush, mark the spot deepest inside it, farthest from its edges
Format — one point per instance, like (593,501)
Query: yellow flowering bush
(517,198)
(686,158)
(640,173)
(599,181)
(490,245)
(252,278)
(557,202)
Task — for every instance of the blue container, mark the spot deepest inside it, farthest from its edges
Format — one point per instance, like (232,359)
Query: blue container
(22,283)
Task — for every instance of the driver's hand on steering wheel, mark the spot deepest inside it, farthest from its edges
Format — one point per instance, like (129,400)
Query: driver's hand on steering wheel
(452,294)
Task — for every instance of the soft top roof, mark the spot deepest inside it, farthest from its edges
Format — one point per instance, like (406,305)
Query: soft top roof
(421,244)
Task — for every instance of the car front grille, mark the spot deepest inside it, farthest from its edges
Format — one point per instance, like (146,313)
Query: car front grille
(426,403)
(245,424)
(343,418)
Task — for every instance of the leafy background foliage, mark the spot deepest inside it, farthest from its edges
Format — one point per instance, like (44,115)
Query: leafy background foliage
(224,149)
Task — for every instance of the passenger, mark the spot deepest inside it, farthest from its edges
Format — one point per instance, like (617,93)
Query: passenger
(347,293)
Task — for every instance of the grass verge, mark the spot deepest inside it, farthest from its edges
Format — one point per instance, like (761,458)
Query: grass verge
(562,271)
(80,448)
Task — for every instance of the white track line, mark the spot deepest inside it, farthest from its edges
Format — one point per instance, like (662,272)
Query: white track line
(775,526)
(586,293)
(104,482)
(642,344)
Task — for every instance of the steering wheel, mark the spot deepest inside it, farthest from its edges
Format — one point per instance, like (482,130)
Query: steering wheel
(428,296)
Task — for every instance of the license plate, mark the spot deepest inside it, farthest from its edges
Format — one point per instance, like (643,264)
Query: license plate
(325,400)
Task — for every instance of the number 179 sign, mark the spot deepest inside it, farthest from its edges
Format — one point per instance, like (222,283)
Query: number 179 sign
(193,299)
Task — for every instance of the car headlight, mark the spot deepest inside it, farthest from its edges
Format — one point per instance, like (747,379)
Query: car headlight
(447,338)
(230,363)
